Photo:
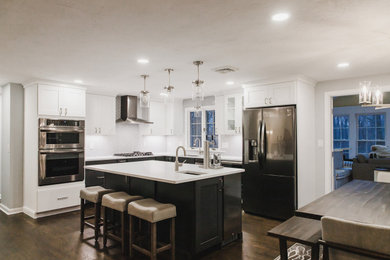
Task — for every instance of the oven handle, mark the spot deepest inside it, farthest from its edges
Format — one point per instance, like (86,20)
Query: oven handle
(62,130)
(61,151)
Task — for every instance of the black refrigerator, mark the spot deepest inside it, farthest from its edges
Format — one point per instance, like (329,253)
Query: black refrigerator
(269,159)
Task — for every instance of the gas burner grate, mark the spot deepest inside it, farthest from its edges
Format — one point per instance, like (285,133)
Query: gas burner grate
(134,154)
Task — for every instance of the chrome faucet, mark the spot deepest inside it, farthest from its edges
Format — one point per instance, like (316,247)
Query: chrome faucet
(195,141)
(177,164)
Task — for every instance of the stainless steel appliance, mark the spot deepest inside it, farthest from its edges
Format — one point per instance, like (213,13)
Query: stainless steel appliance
(61,134)
(269,159)
(61,151)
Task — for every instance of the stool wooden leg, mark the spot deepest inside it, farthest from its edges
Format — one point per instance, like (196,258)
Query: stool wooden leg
(131,235)
(283,249)
(153,241)
(97,221)
(123,233)
(82,213)
(104,226)
(172,238)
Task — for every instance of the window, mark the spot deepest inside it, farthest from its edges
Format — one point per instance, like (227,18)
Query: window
(371,131)
(341,133)
(200,127)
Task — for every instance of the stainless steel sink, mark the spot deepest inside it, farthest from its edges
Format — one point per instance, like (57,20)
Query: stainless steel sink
(191,172)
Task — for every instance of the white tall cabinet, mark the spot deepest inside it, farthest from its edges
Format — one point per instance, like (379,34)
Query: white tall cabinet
(300,92)
(48,101)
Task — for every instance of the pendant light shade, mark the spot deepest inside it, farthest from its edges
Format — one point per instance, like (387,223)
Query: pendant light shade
(377,97)
(365,93)
(197,88)
(167,92)
(144,95)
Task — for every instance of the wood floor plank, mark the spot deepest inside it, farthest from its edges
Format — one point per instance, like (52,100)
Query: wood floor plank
(58,237)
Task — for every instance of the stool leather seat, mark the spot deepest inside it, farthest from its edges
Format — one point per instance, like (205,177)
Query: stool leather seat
(119,200)
(94,193)
(151,210)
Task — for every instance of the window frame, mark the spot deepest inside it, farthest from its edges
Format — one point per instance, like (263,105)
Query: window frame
(187,131)
(346,151)
(375,128)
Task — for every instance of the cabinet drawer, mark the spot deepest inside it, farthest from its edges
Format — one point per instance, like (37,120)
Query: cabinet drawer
(94,178)
(58,197)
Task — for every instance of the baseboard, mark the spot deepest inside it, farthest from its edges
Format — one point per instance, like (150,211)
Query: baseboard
(33,214)
(9,211)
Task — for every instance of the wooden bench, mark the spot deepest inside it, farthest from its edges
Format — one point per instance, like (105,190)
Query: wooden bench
(301,230)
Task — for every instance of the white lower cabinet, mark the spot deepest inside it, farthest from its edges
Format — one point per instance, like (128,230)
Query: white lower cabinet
(53,197)
(100,116)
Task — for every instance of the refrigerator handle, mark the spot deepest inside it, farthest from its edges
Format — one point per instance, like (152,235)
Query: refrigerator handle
(261,142)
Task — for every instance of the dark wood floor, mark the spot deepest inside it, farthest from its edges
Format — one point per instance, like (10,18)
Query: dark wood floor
(58,237)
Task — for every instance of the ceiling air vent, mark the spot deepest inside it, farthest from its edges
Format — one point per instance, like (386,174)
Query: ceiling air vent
(225,69)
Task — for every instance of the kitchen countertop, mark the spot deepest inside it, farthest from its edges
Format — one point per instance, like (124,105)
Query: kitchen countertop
(113,157)
(162,171)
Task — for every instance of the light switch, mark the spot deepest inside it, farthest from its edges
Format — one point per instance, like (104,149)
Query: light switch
(320,143)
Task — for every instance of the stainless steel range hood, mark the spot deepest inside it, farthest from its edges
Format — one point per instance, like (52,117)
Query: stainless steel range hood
(129,111)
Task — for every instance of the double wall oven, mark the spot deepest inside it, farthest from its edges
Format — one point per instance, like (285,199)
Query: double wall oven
(61,151)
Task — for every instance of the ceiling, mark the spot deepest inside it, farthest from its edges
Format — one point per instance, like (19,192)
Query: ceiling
(99,41)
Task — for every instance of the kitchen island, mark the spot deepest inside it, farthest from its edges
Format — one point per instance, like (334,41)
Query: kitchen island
(208,201)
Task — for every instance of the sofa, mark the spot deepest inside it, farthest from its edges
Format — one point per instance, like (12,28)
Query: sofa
(363,167)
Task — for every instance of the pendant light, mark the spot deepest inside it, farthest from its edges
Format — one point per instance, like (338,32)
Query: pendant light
(365,93)
(167,92)
(197,88)
(144,95)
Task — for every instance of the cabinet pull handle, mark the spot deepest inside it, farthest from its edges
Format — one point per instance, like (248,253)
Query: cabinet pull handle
(100,177)
(60,111)
(266,101)
(100,130)
(66,111)
(95,130)
(270,100)
(62,198)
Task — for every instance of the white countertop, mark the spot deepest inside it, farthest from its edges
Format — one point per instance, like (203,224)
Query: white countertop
(113,157)
(162,171)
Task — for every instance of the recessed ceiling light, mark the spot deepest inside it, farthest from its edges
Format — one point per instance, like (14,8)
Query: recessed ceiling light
(78,81)
(143,61)
(229,82)
(279,17)
(343,65)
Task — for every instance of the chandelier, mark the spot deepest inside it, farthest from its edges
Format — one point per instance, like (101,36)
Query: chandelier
(371,96)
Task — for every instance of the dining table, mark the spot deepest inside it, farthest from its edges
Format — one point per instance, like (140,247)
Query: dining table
(359,200)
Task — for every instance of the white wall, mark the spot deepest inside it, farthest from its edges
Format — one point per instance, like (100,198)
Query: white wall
(323,131)
(12,148)
(127,139)
(1,122)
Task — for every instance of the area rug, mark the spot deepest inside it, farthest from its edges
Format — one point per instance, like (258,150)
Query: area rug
(299,252)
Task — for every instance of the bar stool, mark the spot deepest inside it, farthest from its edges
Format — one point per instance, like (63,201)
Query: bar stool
(117,201)
(152,212)
(92,194)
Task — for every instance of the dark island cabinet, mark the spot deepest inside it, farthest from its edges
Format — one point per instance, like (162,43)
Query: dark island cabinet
(208,213)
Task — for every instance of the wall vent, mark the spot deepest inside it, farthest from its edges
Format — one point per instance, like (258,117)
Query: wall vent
(225,69)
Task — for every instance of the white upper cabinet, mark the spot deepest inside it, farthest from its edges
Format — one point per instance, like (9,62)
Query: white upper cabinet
(72,102)
(233,114)
(100,116)
(48,100)
(157,116)
(219,115)
(61,101)
(174,118)
(270,95)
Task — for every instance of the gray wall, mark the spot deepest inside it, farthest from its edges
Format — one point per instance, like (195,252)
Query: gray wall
(12,146)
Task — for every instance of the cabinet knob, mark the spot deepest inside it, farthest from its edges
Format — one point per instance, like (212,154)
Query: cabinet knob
(66,111)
